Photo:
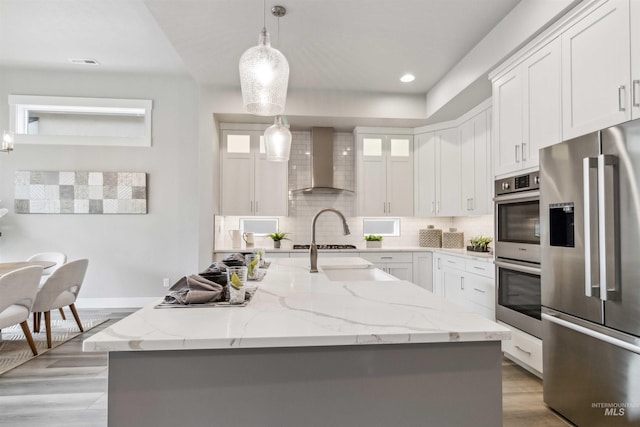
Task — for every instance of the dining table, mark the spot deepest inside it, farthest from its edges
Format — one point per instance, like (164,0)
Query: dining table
(6,267)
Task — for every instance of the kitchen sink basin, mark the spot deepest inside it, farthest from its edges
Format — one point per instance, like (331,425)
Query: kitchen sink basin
(358,274)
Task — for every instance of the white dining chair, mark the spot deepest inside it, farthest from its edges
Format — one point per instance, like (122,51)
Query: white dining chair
(60,290)
(59,258)
(18,290)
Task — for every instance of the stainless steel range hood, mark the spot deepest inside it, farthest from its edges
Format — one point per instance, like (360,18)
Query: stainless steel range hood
(322,163)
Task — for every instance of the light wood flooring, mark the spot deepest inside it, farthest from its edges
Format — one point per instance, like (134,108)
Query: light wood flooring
(66,387)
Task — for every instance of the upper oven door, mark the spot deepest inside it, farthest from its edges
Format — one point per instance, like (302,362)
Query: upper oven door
(518,226)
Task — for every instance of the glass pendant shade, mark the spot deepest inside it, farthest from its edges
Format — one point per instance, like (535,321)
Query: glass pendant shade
(264,77)
(277,141)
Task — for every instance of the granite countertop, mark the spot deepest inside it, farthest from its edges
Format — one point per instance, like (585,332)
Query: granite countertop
(293,308)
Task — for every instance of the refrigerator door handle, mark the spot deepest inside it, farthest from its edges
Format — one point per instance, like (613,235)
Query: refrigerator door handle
(589,332)
(590,244)
(608,227)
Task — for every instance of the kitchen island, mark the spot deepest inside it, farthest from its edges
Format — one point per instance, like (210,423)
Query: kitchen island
(307,351)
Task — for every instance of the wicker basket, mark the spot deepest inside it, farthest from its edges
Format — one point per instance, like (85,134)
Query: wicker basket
(430,237)
(453,239)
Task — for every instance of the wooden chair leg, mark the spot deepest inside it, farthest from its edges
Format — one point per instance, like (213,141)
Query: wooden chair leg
(47,324)
(75,316)
(27,333)
(37,319)
(62,313)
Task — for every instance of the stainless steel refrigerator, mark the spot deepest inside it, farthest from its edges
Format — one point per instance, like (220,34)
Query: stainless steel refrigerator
(590,270)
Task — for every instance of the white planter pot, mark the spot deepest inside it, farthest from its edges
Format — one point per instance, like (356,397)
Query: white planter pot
(374,244)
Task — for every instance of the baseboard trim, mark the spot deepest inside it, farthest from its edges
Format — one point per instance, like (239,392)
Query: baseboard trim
(133,302)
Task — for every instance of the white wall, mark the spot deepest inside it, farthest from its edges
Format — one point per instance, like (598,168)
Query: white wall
(129,255)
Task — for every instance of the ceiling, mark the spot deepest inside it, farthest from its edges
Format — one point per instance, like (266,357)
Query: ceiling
(340,45)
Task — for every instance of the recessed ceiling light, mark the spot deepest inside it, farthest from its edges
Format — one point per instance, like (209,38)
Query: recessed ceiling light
(407,78)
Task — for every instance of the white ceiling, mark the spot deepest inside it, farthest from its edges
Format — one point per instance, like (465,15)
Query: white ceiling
(346,45)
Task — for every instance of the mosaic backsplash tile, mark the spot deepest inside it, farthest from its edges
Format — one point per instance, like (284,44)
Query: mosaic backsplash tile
(81,192)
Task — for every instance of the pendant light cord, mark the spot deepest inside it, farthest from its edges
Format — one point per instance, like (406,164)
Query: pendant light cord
(264,14)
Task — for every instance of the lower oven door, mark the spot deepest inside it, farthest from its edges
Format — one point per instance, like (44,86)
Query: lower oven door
(518,301)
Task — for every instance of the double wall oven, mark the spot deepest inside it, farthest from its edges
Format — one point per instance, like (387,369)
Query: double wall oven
(517,250)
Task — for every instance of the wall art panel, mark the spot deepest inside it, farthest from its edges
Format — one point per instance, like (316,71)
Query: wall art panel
(47,192)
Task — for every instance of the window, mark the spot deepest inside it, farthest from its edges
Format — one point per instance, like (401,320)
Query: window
(61,120)
(259,226)
(381,226)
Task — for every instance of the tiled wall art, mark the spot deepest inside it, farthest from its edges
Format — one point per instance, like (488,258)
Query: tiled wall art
(48,192)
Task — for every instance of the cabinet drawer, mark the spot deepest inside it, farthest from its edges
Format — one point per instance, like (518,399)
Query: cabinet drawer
(452,262)
(480,290)
(524,347)
(387,257)
(483,268)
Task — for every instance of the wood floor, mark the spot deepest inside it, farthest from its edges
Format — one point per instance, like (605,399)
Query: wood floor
(66,387)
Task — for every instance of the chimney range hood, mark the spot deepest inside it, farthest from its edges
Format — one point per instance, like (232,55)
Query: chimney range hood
(322,163)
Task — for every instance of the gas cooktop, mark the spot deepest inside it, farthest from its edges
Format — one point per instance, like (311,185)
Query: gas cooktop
(325,246)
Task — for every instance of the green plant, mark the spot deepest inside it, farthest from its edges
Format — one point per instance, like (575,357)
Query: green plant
(278,236)
(480,242)
(373,238)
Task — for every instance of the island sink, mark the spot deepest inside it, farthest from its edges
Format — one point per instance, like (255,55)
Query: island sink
(363,273)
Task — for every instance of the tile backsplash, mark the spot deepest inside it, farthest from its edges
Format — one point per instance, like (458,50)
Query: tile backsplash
(302,207)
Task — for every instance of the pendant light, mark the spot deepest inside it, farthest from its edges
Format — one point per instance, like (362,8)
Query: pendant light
(264,74)
(277,141)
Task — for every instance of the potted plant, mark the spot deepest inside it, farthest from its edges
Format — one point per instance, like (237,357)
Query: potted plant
(373,241)
(479,244)
(277,237)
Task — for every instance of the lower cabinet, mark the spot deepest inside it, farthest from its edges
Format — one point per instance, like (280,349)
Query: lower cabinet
(524,349)
(423,270)
(466,282)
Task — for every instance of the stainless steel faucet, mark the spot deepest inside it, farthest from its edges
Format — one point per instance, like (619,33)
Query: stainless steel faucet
(313,250)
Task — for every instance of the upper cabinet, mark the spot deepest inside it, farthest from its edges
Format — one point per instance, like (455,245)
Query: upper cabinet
(475,164)
(251,185)
(596,55)
(453,166)
(437,165)
(385,174)
(635,58)
(527,110)
(580,75)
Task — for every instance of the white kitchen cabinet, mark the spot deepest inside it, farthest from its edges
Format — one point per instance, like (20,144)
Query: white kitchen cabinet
(507,121)
(635,58)
(437,166)
(251,185)
(397,264)
(475,165)
(596,64)
(466,282)
(524,349)
(423,270)
(527,115)
(385,174)
(426,168)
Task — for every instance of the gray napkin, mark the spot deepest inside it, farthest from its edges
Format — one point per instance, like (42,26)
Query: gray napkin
(194,290)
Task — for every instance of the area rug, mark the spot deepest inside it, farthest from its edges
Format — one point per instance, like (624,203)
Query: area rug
(14,349)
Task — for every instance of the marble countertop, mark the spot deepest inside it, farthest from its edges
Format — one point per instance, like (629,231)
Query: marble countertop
(482,256)
(294,308)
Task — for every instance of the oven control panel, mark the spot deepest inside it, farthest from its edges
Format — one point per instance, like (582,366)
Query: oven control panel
(516,184)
